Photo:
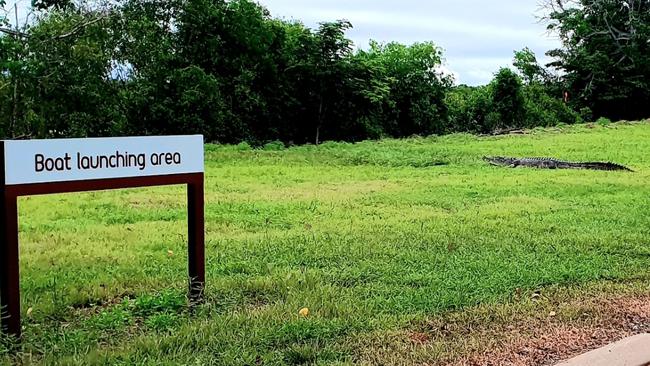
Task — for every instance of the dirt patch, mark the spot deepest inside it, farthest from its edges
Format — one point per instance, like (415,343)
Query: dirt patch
(545,341)
(539,331)
(555,345)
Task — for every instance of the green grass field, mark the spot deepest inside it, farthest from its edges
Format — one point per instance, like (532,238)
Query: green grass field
(374,238)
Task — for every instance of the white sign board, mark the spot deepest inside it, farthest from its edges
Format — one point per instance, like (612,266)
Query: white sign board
(65,160)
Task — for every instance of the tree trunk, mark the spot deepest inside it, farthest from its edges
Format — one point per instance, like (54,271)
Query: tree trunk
(14,116)
(320,120)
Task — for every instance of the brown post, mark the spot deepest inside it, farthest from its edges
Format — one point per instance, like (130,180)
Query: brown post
(9,268)
(196,238)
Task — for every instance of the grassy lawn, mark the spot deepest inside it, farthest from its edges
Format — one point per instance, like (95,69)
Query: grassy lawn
(374,238)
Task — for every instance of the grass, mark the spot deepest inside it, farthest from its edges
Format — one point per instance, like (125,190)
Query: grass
(372,237)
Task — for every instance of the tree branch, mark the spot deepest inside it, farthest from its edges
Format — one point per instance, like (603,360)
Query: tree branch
(77,29)
(72,32)
(13,32)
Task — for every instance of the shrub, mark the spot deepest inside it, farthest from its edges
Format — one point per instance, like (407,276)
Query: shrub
(586,114)
(243,146)
(468,109)
(542,110)
(274,146)
(603,121)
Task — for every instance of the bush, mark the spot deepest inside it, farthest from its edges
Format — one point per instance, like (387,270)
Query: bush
(274,146)
(468,109)
(243,146)
(542,110)
(486,109)
(586,114)
(603,121)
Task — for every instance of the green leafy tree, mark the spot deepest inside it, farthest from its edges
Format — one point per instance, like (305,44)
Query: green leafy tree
(243,48)
(164,93)
(71,63)
(227,69)
(507,100)
(330,63)
(530,70)
(59,69)
(543,109)
(606,54)
(469,108)
(13,67)
(417,88)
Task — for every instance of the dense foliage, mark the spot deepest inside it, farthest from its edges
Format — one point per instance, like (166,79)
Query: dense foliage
(229,70)
(606,54)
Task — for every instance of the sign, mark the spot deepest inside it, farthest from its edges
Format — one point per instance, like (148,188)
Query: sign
(65,160)
(40,167)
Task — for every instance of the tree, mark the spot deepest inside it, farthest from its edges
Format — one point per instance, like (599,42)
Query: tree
(229,70)
(507,100)
(606,54)
(166,91)
(239,44)
(329,67)
(469,108)
(71,61)
(530,70)
(59,67)
(13,42)
(417,88)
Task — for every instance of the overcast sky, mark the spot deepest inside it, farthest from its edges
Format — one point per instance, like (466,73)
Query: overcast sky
(478,36)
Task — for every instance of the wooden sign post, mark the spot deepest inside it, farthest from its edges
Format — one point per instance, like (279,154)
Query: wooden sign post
(39,167)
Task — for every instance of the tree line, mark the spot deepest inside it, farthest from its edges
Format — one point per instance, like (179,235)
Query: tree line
(229,70)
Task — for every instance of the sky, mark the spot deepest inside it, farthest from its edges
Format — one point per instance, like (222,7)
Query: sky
(477,36)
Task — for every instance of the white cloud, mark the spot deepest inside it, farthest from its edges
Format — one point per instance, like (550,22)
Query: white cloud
(478,36)
(445,70)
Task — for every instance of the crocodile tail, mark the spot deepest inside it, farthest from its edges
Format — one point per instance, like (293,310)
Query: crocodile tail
(605,166)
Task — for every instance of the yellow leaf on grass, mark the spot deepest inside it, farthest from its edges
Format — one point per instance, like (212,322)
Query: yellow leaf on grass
(170,253)
(304,312)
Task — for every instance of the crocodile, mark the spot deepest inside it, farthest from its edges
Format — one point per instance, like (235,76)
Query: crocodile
(548,163)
